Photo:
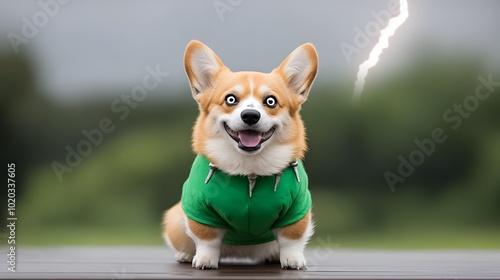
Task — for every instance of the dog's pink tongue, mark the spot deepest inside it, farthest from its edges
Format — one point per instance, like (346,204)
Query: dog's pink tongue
(250,138)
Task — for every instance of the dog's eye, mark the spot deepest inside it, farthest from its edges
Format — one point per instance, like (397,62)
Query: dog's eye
(231,100)
(270,101)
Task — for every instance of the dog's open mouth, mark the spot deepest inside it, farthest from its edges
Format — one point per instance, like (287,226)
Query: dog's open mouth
(249,140)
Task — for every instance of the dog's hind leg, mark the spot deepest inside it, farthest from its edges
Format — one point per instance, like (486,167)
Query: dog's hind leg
(174,232)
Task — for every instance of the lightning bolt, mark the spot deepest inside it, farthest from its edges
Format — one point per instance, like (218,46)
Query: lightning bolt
(383,43)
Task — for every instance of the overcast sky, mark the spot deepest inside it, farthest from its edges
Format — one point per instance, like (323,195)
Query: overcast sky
(90,45)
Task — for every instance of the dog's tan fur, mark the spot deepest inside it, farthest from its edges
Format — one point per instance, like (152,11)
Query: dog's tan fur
(174,227)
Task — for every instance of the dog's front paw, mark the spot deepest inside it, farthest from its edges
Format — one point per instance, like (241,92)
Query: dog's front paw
(204,261)
(293,261)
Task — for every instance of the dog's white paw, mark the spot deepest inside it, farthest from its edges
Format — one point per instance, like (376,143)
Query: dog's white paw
(183,257)
(204,261)
(293,261)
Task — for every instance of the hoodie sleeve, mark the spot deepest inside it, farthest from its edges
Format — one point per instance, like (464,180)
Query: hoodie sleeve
(300,204)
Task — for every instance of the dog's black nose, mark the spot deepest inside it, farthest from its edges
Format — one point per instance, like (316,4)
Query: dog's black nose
(250,116)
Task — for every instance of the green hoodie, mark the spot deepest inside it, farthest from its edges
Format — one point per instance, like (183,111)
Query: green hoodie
(224,202)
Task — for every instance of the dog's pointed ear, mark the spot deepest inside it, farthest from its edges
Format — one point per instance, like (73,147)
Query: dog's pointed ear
(202,66)
(299,70)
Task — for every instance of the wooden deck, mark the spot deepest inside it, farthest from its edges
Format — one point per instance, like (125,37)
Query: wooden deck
(158,263)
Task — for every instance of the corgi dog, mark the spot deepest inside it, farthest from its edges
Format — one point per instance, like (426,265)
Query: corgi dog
(246,195)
